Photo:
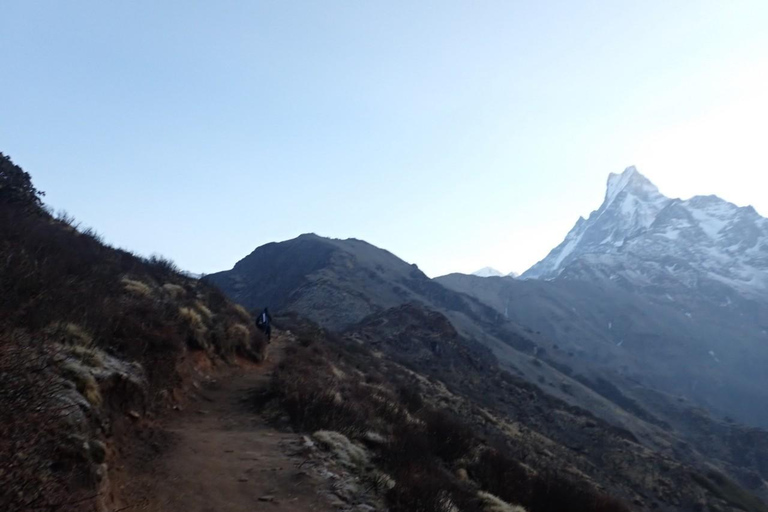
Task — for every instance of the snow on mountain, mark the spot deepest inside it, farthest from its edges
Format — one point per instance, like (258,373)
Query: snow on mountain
(644,238)
(487,272)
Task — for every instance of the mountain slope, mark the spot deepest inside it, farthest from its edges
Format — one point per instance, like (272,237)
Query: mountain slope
(338,283)
(693,275)
(363,285)
(93,342)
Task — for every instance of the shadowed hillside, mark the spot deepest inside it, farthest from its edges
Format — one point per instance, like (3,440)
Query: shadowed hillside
(463,342)
(93,342)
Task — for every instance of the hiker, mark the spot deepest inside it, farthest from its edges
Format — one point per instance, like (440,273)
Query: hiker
(264,322)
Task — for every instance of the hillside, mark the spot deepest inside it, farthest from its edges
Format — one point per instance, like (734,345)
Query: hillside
(338,283)
(127,384)
(94,343)
(407,327)
(669,293)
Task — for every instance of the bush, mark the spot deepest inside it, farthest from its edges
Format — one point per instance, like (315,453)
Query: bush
(341,387)
(16,187)
(411,398)
(451,438)
(502,476)
(41,466)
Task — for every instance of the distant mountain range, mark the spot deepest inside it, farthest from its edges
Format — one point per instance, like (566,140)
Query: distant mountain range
(651,315)
(669,293)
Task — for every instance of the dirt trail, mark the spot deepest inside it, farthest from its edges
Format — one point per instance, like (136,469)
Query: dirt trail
(225,458)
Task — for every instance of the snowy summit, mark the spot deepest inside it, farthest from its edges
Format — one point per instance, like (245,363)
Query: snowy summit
(642,237)
(487,272)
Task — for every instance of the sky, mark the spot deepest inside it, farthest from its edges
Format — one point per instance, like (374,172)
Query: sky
(455,134)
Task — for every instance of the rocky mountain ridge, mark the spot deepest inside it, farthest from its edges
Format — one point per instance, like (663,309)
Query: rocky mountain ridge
(642,238)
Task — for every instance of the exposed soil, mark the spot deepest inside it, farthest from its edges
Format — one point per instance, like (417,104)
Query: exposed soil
(224,457)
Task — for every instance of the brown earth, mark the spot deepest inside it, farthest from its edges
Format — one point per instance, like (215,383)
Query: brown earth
(221,455)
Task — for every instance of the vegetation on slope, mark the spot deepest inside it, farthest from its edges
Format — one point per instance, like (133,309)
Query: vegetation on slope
(424,458)
(91,340)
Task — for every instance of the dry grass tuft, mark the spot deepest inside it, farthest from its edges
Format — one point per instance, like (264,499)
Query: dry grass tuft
(192,317)
(204,310)
(197,328)
(90,357)
(68,333)
(239,336)
(136,287)
(493,503)
(243,313)
(84,382)
(346,451)
(175,291)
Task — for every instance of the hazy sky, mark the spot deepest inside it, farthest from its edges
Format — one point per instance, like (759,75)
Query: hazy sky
(455,134)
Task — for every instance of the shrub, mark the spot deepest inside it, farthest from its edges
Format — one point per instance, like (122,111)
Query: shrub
(136,287)
(320,409)
(84,381)
(502,476)
(243,313)
(204,310)
(427,489)
(16,186)
(175,291)
(411,398)
(69,333)
(161,267)
(345,450)
(40,466)
(451,438)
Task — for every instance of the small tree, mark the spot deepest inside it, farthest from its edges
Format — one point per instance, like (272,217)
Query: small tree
(16,186)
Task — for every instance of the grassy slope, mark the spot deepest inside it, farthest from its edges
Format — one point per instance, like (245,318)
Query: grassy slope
(91,339)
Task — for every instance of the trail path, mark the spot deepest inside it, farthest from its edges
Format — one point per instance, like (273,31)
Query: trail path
(226,458)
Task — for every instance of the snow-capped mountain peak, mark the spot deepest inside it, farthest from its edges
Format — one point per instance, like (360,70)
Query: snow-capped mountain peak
(631,182)
(487,272)
(645,238)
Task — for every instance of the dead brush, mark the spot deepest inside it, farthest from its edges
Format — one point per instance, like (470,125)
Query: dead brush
(174,291)
(137,288)
(504,477)
(41,466)
(197,329)
(426,488)
(319,409)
